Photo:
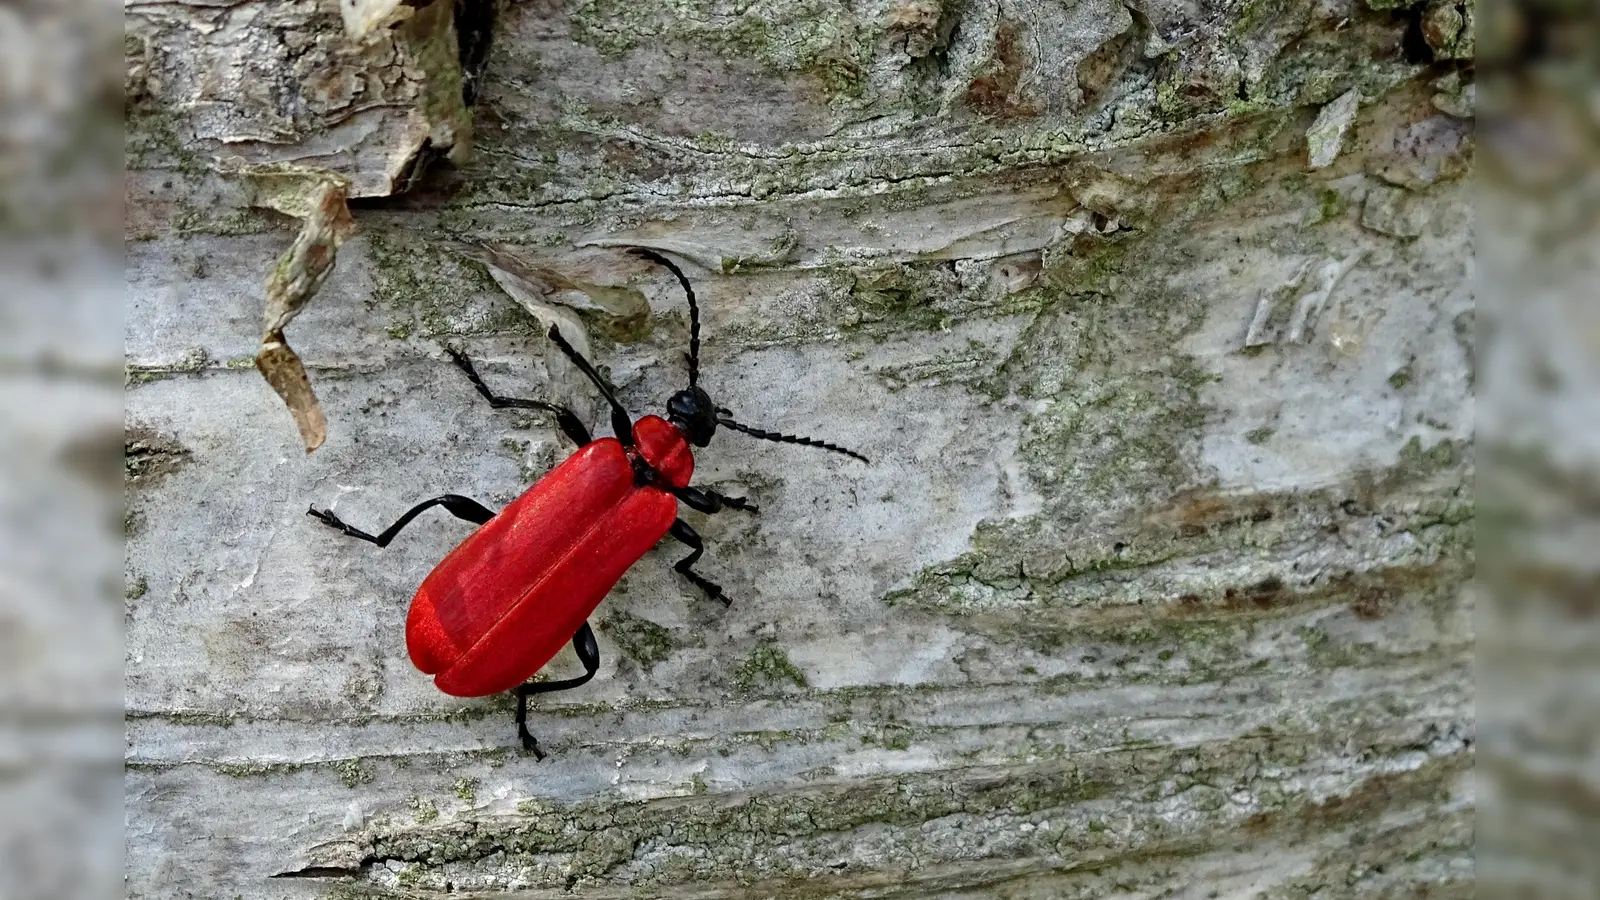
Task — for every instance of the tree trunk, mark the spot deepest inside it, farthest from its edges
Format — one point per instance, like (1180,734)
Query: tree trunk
(1153,320)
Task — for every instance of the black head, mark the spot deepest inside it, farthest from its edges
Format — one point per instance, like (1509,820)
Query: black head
(691,409)
(695,415)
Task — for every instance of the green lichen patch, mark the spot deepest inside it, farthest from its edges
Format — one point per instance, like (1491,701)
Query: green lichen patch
(1117,426)
(904,293)
(423,811)
(1331,204)
(182,717)
(256,769)
(1402,376)
(430,39)
(1204,638)
(890,736)
(768,668)
(224,221)
(532,464)
(817,37)
(155,140)
(427,290)
(642,640)
(467,789)
(1417,462)
(973,365)
(194,361)
(352,772)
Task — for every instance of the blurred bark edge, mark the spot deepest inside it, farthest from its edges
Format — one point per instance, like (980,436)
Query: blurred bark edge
(61,508)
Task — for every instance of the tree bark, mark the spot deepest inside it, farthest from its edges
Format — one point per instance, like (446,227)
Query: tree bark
(1153,320)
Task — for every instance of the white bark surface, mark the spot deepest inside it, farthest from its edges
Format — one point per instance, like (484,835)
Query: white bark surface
(1156,582)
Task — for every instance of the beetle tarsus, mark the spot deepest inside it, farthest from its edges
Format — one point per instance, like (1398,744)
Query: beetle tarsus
(740,503)
(326,517)
(711,588)
(707,501)
(530,744)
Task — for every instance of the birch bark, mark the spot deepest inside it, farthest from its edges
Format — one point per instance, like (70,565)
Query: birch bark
(1157,582)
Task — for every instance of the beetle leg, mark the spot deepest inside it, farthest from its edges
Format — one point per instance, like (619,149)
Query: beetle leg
(685,535)
(707,501)
(571,426)
(588,650)
(455,504)
(738,503)
(621,423)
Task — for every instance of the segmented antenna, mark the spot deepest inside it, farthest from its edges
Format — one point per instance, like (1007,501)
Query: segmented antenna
(694,309)
(789,439)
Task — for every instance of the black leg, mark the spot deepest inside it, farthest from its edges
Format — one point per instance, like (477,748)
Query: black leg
(685,535)
(570,425)
(621,423)
(589,654)
(455,504)
(711,501)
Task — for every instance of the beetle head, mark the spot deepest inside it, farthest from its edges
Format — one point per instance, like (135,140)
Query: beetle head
(695,415)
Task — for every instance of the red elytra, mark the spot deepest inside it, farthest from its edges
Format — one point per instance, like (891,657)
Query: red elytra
(506,600)
(502,603)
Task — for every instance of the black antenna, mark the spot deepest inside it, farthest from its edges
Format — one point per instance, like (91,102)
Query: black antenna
(694,309)
(789,438)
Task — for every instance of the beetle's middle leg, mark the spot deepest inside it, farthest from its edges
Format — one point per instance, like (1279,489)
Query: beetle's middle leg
(687,536)
(455,504)
(583,643)
(566,418)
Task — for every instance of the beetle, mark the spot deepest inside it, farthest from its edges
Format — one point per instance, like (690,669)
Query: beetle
(500,605)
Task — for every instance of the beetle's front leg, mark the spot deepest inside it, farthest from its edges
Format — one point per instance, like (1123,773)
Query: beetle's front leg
(712,502)
(682,533)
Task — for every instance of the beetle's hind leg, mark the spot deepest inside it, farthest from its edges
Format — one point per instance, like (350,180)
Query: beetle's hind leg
(455,504)
(588,650)
(566,418)
(687,536)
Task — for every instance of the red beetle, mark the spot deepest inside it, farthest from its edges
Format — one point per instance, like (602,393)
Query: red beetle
(502,603)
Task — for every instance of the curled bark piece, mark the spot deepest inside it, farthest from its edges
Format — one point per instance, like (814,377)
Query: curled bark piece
(282,368)
(296,278)
(531,297)
(592,280)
